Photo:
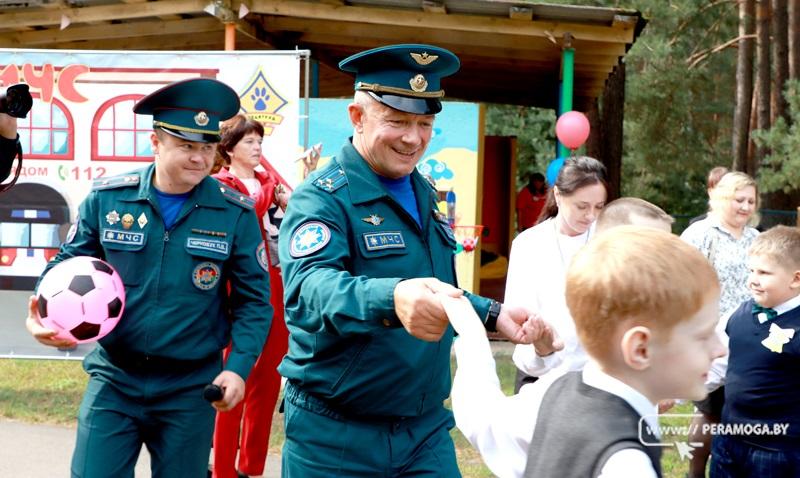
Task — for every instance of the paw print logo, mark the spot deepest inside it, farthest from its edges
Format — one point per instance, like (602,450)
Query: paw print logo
(260,97)
(261,102)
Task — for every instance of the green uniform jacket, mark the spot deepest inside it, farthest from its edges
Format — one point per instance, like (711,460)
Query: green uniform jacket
(175,280)
(345,243)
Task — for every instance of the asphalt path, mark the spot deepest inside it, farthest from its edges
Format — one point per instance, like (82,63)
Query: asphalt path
(16,342)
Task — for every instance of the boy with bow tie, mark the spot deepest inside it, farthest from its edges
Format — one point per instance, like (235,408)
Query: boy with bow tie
(762,386)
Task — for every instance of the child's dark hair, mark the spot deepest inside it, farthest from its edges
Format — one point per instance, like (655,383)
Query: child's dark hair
(542,189)
(576,173)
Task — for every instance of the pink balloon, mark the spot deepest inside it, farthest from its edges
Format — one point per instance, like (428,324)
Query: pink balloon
(572,129)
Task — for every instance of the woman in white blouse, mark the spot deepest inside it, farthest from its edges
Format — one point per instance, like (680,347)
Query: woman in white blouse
(540,256)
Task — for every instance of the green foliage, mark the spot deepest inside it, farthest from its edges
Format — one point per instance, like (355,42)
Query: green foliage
(679,103)
(678,113)
(780,170)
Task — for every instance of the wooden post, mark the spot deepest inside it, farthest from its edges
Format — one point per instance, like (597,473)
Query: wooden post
(230,36)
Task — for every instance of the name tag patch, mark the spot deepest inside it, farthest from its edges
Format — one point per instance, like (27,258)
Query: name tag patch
(376,241)
(207,245)
(123,237)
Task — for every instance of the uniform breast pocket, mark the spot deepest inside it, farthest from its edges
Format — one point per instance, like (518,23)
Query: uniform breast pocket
(208,256)
(123,250)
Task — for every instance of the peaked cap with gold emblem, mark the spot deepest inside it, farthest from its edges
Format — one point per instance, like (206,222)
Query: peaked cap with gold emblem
(191,109)
(404,77)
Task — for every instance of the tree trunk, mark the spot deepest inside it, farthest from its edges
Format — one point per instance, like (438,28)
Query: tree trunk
(750,162)
(612,115)
(780,57)
(744,85)
(794,39)
(763,71)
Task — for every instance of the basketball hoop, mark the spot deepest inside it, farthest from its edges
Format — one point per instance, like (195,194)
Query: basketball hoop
(467,237)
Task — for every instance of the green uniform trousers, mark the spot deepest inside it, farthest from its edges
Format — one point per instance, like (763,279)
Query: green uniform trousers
(112,426)
(321,443)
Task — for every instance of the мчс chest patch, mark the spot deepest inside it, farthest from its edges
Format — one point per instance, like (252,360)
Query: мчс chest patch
(375,241)
(123,237)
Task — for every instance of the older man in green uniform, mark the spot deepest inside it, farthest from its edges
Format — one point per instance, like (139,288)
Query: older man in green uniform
(177,238)
(365,250)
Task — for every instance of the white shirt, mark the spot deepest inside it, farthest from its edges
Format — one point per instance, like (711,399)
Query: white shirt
(719,367)
(536,280)
(501,428)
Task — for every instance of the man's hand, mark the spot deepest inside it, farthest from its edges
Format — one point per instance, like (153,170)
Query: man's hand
(420,310)
(233,388)
(509,324)
(544,338)
(42,334)
(8,126)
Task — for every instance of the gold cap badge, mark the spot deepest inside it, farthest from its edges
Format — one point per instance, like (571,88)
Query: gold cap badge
(424,58)
(418,83)
(201,118)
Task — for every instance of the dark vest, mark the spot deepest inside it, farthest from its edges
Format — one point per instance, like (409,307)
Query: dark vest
(762,387)
(578,429)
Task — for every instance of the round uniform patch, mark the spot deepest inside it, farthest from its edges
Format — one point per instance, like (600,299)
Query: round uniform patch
(205,276)
(261,255)
(309,238)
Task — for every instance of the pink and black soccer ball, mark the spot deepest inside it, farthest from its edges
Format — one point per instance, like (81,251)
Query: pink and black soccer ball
(82,298)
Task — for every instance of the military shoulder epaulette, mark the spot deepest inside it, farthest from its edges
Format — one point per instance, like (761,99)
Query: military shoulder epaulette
(331,180)
(236,197)
(113,182)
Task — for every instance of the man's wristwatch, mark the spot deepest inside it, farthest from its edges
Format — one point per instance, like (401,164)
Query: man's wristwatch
(491,317)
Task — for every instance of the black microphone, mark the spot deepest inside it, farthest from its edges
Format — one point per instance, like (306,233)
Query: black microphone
(213,393)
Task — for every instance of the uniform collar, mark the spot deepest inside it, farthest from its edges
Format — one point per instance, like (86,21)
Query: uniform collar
(207,193)
(364,184)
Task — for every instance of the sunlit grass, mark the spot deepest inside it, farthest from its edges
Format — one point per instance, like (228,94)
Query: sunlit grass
(41,391)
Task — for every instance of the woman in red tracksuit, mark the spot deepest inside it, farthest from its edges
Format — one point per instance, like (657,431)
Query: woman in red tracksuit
(240,148)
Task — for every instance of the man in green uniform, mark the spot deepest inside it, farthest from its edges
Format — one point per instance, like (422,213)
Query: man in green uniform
(365,250)
(177,238)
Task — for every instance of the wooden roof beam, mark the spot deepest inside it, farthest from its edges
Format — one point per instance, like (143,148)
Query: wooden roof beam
(434,36)
(434,6)
(158,42)
(456,22)
(100,32)
(118,11)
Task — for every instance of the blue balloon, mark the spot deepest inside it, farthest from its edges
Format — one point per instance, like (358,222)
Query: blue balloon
(552,170)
